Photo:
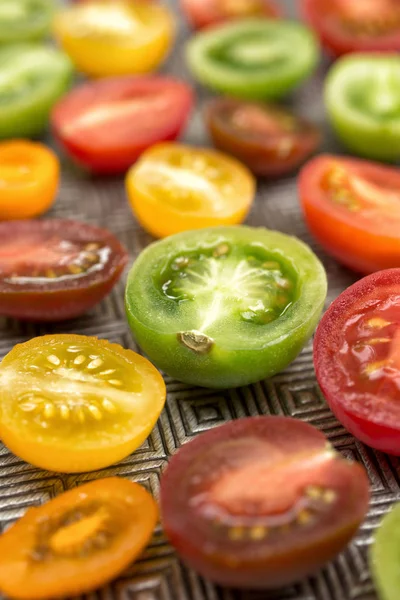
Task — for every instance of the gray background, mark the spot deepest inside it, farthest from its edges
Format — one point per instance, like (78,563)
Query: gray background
(159,575)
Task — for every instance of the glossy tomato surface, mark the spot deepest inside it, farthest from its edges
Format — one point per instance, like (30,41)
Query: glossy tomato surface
(202,13)
(56,269)
(73,403)
(120,37)
(106,125)
(352,207)
(269,139)
(175,188)
(261,502)
(25,20)
(253,58)
(78,541)
(355,25)
(357,359)
(225,306)
(29,177)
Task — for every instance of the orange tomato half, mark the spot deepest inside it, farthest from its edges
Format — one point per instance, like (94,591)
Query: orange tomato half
(174,188)
(29,177)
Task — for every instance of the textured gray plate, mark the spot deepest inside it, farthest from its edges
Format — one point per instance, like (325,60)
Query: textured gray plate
(159,575)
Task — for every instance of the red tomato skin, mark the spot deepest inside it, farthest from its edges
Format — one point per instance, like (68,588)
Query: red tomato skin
(364,249)
(114,159)
(205,13)
(383,437)
(337,42)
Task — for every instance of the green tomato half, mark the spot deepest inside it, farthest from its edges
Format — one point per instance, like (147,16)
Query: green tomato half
(226,306)
(25,20)
(254,58)
(32,78)
(385,556)
(362,96)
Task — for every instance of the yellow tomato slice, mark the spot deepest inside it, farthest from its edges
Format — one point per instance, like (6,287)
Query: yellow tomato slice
(73,403)
(122,37)
(175,188)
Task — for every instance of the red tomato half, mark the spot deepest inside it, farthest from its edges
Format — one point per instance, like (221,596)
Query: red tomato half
(357,359)
(106,125)
(353,209)
(202,13)
(56,269)
(355,25)
(261,502)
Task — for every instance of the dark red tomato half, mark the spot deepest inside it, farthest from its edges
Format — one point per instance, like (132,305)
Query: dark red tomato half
(261,502)
(269,139)
(355,25)
(357,359)
(56,269)
(202,13)
(106,125)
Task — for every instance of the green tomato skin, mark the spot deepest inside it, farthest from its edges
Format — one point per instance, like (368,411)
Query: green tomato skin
(385,556)
(231,363)
(362,133)
(30,29)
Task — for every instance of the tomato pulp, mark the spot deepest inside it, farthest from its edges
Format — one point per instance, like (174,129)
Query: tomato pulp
(202,13)
(357,359)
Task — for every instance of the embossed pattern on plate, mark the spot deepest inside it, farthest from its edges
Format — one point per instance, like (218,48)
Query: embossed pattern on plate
(159,575)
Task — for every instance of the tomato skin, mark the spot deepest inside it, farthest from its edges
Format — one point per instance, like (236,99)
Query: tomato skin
(27,196)
(24,578)
(366,426)
(60,302)
(123,145)
(31,23)
(266,156)
(263,562)
(361,243)
(202,13)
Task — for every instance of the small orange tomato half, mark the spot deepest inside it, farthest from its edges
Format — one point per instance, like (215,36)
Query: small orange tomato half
(174,188)
(77,542)
(29,177)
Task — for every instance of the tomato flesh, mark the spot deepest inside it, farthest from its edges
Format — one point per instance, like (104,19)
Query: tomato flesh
(353,209)
(261,502)
(74,403)
(78,541)
(202,13)
(268,139)
(56,269)
(361,384)
(188,188)
(221,307)
(106,125)
(25,20)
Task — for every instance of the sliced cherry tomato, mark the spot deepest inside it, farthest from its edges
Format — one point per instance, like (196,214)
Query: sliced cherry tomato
(384,555)
(202,13)
(353,209)
(261,502)
(115,38)
(269,139)
(225,306)
(73,403)
(357,359)
(253,58)
(56,269)
(362,95)
(33,78)
(25,20)
(29,177)
(78,541)
(174,188)
(355,25)
(106,125)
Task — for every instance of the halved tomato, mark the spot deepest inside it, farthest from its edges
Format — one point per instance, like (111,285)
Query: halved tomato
(202,13)
(261,502)
(357,359)
(77,541)
(29,177)
(106,125)
(355,25)
(269,139)
(56,269)
(73,403)
(353,209)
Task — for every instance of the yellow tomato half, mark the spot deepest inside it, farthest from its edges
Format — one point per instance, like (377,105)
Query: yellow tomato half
(115,37)
(175,188)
